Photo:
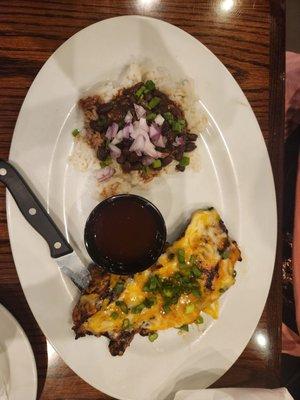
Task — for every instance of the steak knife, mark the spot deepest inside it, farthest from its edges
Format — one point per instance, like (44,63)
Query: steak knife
(33,211)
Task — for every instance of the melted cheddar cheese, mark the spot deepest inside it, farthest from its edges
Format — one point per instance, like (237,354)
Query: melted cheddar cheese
(187,279)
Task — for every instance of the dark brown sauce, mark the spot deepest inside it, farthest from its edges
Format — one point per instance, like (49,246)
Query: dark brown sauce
(125,233)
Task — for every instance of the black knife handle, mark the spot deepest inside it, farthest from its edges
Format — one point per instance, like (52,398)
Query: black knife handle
(33,211)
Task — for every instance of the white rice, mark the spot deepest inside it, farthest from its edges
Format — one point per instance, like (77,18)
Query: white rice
(181,91)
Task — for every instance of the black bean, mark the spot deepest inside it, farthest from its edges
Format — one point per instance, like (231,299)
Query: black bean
(192,137)
(166,149)
(126,167)
(178,154)
(167,160)
(170,136)
(133,157)
(190,146)
(121,145)
(165,127)
(104,108)
(148,97)
(125,144)
(136,166)
(124,103)
(121,124)
(102,152)
(180,168)
(121,159)
(126,153)
(161,149)
(95,126)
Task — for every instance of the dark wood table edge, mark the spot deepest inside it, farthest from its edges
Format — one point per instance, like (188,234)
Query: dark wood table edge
(276,125)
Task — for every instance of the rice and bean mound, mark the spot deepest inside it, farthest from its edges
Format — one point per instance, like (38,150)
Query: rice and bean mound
(137,133)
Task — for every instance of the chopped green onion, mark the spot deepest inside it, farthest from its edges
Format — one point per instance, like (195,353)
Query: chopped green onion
(153,336)
(178,125)
(184,328)
(189,308)
(150,85)
(168,117)
(168,291)
(174,299)
(140,91)
(193,259)
(122,305)
(186,272)
(149,302)
(126,323)
(156,164)
(184,161)
(196,272)
(153,102)
(185,280)
(146,169)
(199,320)
(118,289)
(114,315)
(166,307)
(151,284)
(105,163)
(138,309)
(75,132)
(181,256)
(225,254)
(196,292)
(151,117)
(223,290)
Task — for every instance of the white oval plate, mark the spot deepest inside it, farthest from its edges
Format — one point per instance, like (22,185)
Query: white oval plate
(17,363)
(235,177)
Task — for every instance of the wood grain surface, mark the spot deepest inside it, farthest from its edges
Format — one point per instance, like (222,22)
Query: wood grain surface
(248,38)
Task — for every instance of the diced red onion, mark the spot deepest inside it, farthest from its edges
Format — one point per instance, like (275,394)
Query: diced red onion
(154,131)
(142,143)
(159,120)
(140,128)
(143,125)
(135,131)
(115,152)
(179,141)
(156,136)
(112,131)
(128,117)
(127,130)
(105,173)
(147,160)
(118,139)
(140,111)
(138,145)
(149,149)
(160,142)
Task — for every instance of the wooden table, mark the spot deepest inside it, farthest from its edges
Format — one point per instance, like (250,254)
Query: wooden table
(248,37)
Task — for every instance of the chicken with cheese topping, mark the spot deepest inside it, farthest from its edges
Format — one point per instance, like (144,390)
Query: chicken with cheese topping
(188,279)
